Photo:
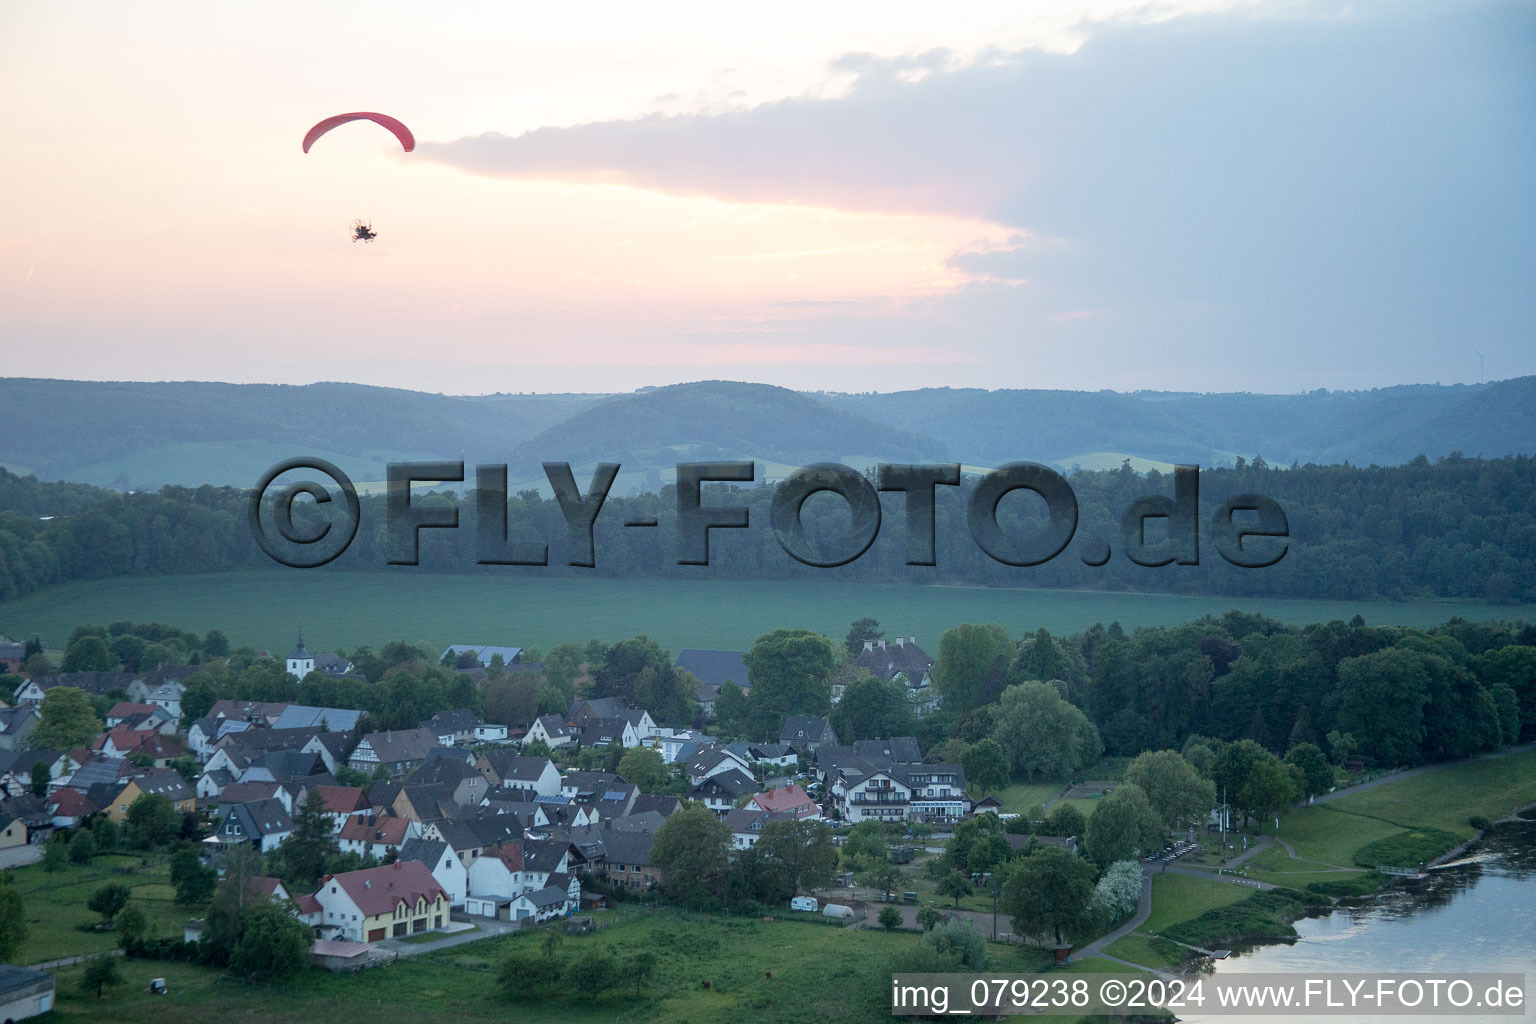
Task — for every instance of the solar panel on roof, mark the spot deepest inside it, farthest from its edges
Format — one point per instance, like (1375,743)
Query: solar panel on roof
(615,794)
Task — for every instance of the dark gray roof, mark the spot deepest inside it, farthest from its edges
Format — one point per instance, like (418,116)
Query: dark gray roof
(428,851)
(806,729)
(13,979)
(516,767)
(899,749)
(262,818)
(401,745)
(884,663)
(715,667)
(662,805)
(457,720)
(442,771)
(549,896)
(167,783)
(732,783)
(752,819)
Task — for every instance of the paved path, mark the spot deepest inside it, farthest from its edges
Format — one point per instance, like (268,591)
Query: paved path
(70,961)
(1143,910)
(487,929)
(19,856)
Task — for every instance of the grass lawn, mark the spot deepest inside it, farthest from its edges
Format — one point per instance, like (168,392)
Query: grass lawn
(1021,796)
(348,609)
(1179,898)
(818,972)
(1443,799)
(55,904)
(1147,951)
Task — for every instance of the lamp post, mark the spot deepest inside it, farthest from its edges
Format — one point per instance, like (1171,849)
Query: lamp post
(994,908)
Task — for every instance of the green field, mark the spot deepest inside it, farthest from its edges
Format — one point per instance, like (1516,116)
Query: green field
(55,905)
(1179,898)
(346,609)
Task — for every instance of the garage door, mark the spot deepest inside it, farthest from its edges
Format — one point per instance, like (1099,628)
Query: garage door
(376,935)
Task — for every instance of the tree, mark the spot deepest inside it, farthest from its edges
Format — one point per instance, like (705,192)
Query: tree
(108,900)
(13,923)
(927,918)
(1381,701)
(89,654)
(1042,734)
(40,777)
(306,848)
(802,852)
(226,918)
(1254,780)
(641,968)
(886,877)
(1124,824)
(275,945)
(193,881)
(644,767)
(152,821)
(667,693)
(861,630)
(1120,888)
(985,764)
(1316,773)
(1177,791)
(871,709)
(622,665)
(971,664)
(956,886)
(68,720)
(526,975)
(731,709)
(890,918)
(692,847)
(82,847)
(56,853)
(593,972)
(957,942)
(789,669)
(215,644)
(104,831)
(132,926)
(1050,891)
(100,973)
(1066,820)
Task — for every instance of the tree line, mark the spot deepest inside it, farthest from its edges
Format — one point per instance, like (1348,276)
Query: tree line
(1454,528)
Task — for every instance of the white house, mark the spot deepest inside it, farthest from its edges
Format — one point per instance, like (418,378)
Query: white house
(549,730)
(167,696)
(877,797)
(554,900)
(444,864)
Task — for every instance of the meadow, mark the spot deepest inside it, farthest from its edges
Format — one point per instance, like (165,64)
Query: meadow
(264,609)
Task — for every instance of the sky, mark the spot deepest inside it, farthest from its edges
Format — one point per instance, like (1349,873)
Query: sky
(1208,196)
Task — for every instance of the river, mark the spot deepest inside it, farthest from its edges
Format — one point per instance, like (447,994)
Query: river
(1477,914)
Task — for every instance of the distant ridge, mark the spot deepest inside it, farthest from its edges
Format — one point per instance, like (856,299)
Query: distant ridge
(144,435)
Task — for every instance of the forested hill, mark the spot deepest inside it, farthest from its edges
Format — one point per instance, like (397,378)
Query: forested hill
(1455,528)
(137,435)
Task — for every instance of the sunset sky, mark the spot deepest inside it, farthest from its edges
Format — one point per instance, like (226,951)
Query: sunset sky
(1265,196)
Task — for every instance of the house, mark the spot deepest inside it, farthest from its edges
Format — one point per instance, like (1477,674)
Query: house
(167,697)
(376,903)
(721,791)
(12,655)
(342,802)
(247,792)
(125,709)
(781,755)
(666,806)
(465,785)
(13,830)
(374,836)
(446,868)
(509,869)
(879,796)
(549,730)
(627,855)
(713,669)
(583,712)
(69,807)
(991,802)
(257,712)
(423,803)
(264,824)
(399,752)
(124,741)
(747,823)
(603,732)
(164,782)
(789,799)
(453,728)
(806,733)
(937,791)
(713,761)
(301,663)
(504,768)
(303,716)
(900,661)
(560,898)
(16,725)
(33,690)
(491,732)
(482,654)
(24,992)
(16,768)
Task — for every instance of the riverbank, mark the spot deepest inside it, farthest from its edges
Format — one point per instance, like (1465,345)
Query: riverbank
(1328,854)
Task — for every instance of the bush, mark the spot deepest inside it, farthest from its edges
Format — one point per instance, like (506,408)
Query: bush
(890,918)
(958,941)
(1480,823)
(1406,849)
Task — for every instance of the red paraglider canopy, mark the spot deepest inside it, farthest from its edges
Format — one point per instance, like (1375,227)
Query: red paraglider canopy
(401,132)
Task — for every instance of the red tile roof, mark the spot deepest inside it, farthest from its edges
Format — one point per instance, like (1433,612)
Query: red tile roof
(787,798)
(71,803)
(124,708)
(371,829)
(380,890)
(342,799)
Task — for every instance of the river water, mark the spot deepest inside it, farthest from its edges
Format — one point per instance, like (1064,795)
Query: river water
(1475,915)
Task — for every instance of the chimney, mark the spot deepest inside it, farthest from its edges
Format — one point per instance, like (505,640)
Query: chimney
(882,643)
(912,640)
(900,642)
(869,645)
